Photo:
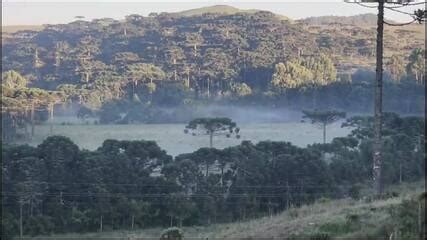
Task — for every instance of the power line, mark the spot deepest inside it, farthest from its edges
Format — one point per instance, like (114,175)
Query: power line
(399,11)
(400,24)
(407,4)
(166,185)
(168,195)
(364,5)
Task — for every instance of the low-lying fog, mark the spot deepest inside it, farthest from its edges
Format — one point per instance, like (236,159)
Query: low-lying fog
(257,124)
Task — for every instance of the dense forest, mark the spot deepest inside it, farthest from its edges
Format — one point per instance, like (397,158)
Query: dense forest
(129,70)
(58,187)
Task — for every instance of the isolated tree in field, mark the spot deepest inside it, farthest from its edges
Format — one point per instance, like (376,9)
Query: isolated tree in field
(212,127)
(323,118)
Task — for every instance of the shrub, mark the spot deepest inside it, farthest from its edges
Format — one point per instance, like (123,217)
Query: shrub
(354,191)
(39,225)
(173,233)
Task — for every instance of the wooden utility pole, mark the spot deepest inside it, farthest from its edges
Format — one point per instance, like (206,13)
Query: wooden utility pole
(377,146)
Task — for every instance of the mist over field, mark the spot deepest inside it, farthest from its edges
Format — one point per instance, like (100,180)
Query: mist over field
(171,137)
(256,123)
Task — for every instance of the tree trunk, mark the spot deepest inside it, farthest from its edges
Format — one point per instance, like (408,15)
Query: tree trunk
(314,103)
(211,140)
(100,224)
(222,176)
(420,219)
(209,87)
(377,146)
(287,195)
(324,133)
(171,221)
(32,120)
(50,112)
(187,84)
(31,207)
(21,230)
(133,222)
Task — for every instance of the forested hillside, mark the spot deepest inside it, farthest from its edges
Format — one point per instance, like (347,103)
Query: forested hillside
(114,68)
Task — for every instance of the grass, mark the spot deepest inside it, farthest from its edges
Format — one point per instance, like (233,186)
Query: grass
(336,219)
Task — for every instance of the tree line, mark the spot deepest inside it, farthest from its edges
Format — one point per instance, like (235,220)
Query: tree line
(57,187)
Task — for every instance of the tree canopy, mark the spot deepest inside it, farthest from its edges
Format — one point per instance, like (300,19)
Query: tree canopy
(212,127)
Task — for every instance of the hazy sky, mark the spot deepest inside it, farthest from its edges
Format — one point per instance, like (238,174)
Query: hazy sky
(31,12)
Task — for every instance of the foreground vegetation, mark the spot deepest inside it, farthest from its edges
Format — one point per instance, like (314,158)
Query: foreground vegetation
(135,184)
(394,217)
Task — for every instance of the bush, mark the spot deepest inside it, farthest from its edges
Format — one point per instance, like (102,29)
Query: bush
(9,226)
(39,225)
(336,228)
(354,191)
(173,233)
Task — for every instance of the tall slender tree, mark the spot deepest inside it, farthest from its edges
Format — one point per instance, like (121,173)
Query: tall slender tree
(323,118)
(212,127)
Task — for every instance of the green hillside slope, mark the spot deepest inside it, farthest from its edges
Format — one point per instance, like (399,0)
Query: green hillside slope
(332,219)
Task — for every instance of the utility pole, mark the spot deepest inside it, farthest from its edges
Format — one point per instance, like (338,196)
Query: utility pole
(377,146)
(418,16)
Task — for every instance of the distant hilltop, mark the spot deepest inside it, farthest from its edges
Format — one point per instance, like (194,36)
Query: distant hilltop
(222,9)
(368,19)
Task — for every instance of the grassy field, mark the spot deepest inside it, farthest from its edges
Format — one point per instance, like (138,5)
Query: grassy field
(171,137)
(322,216)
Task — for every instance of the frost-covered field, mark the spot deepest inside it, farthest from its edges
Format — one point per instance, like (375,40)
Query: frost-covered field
(171,137)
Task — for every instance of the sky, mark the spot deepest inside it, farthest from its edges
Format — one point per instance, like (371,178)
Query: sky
(36,12)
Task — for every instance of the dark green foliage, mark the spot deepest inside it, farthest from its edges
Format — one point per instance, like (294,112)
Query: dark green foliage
(323,118)
(336,228)
(408,218)
(172,234)
(135,183)
(212,127)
